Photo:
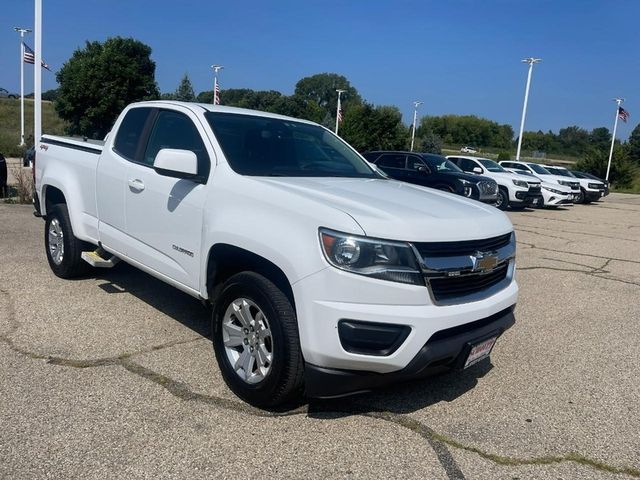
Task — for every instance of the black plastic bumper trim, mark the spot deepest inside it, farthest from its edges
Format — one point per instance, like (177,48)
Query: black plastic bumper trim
(444,351)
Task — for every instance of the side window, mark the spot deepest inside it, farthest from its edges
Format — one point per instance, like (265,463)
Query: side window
(176,130)
(392,160)
(466,165)
(130,131)
(416,163)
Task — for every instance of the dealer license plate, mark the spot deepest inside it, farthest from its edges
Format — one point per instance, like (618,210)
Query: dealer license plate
(480,351)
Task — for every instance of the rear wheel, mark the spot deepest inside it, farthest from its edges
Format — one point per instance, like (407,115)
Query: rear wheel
(502,202)
(62,247)
(255,337)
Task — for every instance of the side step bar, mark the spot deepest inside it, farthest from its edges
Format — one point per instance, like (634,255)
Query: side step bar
(99,258)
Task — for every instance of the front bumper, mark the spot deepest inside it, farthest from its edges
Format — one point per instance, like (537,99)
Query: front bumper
(330,296)
(592,195)
(445,350)
(524,198)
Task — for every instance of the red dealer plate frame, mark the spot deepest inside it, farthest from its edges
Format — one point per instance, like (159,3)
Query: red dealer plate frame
(480,351)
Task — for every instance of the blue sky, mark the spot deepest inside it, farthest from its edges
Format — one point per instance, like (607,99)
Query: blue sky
(458,56)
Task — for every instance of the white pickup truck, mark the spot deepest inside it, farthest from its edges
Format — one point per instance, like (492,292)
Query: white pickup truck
(325,277)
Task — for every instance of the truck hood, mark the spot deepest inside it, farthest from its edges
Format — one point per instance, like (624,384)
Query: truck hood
(508,176)
(396,210)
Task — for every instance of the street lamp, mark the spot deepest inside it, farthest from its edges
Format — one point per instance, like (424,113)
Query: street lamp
(416,104)
(22,31)
(619,101)
(339,109)
(531,61)
(216,87)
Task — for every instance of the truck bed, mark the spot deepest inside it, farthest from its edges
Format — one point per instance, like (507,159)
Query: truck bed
(75,142)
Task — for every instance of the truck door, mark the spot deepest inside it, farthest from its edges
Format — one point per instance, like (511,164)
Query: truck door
(111,176)
(164,214)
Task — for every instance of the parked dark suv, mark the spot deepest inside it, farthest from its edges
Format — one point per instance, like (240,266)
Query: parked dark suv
(434,171)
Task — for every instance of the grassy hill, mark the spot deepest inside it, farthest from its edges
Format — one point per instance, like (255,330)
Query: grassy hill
(10,124)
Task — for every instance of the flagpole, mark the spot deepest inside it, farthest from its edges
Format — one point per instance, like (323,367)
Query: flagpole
(37,75)
(22,31)
(613,137)
(216,69)
(338,108)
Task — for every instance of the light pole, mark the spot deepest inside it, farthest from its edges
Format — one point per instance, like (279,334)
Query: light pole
(415,119)
(339,109)
(22,31)
(531,61)
(619,101)
(216,87)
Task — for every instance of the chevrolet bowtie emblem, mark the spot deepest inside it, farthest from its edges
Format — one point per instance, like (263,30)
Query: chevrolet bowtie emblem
(483,261)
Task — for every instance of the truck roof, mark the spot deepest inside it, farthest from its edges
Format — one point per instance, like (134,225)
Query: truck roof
(221,108)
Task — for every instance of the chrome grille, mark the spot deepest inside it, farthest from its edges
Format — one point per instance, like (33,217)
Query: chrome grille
(467,271)
(488,188)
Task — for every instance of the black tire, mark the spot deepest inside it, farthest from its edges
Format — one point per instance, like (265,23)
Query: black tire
(71,265)
(284,381)
(582,197)
(503,199)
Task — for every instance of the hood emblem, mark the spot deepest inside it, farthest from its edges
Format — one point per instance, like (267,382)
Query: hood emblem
(483,261)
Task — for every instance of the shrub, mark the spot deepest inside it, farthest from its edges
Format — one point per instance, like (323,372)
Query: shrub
(504,156)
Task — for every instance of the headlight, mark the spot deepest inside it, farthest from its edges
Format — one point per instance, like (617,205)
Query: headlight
(520,183)
(553,190)
(385,260)
(566,184)
(467,186)
(596,186)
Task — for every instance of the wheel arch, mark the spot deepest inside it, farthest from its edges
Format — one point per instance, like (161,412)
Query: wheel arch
(51,196)
(225,260)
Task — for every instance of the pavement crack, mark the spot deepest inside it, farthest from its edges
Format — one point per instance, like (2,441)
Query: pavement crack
(599,235)
(439,443)
(578,254)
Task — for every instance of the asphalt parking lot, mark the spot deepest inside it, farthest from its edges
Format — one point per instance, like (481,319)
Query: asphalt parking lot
(113,376)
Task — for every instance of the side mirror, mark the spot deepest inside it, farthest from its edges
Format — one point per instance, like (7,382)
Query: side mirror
(477,170)
(171,162)
(420,168)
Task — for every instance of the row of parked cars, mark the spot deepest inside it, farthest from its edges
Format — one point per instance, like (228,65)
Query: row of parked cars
(506,184)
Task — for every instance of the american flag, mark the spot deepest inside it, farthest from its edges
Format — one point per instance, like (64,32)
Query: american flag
(30,57)
(340,114)
(216,94)
(623,114)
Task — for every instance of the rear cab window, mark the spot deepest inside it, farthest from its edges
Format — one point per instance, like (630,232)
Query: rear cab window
(127,142)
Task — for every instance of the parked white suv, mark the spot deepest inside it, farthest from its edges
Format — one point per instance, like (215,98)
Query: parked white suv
(545,175)
(515,191)
(553,194)
(468,149)
(590,189)
(325,276)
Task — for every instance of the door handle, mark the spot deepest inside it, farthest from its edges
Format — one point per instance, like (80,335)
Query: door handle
(136,185)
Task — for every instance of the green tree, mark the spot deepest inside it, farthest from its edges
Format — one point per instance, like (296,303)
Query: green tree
(99,80)
(467,130)
(429,142)
(321,89)
(184,92)
(600,138)
(622,171)
(366,127)
(634,145)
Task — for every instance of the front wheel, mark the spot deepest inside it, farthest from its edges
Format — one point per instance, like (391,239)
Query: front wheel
(502,202)
(255,338)
(581,197)
(62,247)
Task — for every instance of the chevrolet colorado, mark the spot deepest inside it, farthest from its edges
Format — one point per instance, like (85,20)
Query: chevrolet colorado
(325,277)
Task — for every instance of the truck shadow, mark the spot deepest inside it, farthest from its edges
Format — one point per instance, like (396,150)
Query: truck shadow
(163,297)
(398,398)
(405,397)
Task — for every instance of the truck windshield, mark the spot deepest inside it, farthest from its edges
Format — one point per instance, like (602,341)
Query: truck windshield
(264,146)
(560,171)
(538,169)
(491,165)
